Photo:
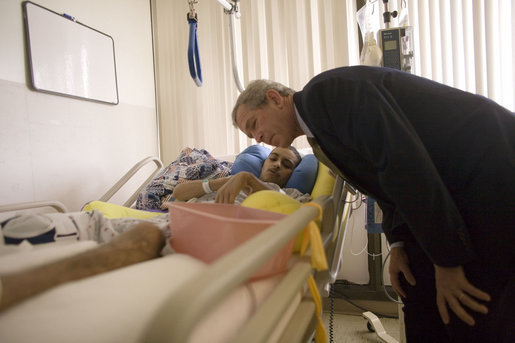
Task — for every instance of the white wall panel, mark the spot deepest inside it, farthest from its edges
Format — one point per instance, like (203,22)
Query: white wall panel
(71,150)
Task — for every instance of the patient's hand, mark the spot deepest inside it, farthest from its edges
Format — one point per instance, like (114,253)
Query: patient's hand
(399,263)
(454,290)
(243,181)
(236,183)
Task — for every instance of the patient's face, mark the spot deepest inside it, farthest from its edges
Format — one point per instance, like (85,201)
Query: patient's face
(279,166)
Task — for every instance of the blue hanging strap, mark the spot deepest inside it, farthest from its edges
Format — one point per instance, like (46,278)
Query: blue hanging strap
(193,54)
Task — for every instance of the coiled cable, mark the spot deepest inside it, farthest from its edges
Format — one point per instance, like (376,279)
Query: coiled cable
(331,314)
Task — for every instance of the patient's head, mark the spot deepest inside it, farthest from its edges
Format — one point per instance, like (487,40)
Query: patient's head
(279,165)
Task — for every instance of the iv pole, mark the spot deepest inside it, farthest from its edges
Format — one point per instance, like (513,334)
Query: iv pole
(387,15)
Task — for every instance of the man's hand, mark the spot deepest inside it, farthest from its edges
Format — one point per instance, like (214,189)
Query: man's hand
(399,264)
(454,290)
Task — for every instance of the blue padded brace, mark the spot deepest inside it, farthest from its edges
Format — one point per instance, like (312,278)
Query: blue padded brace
(193,53)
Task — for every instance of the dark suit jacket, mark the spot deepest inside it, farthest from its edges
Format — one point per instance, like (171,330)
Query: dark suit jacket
(419,148)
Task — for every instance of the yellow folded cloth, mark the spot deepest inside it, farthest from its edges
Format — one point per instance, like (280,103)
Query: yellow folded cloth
(320,334)
(118,211)
(311,237)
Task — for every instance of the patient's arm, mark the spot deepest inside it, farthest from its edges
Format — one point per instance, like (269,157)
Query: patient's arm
(143,242)
(227,188)
(193,189)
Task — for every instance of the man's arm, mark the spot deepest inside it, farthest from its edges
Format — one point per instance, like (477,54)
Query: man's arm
(143,242)
(389,158)
(396,231)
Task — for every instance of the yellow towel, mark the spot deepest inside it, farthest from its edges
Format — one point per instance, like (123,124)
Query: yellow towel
(320,334)
(319,262)
(312,237)
(277,202)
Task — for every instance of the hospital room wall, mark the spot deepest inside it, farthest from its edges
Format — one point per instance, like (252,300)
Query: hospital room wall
(58,148)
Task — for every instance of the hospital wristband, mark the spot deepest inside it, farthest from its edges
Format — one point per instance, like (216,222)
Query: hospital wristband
(205,186)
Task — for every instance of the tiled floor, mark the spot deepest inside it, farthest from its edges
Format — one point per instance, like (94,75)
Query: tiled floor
(353,328)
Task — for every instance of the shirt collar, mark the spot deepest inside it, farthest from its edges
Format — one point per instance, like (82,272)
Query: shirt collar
(302,124)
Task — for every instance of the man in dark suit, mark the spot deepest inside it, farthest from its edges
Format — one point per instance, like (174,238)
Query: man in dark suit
(441,164)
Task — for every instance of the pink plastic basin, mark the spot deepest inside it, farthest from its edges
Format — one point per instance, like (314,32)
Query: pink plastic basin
(207,231)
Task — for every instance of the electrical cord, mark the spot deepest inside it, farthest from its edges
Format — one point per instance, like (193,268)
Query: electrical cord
(347,299)
(333,292)
(364,249)
(358,201)
(331,314)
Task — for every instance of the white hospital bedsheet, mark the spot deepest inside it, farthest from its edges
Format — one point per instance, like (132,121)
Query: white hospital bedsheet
(117,306)
(25,255)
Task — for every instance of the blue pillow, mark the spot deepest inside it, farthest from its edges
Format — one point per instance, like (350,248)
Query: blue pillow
(251,160)
(303,177)
(305,174)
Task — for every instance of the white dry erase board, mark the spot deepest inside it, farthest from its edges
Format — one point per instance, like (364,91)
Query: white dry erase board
(67,57)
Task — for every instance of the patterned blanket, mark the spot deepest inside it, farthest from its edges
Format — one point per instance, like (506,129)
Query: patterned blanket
(192,164)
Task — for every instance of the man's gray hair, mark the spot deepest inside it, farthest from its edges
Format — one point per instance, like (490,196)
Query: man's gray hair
(254,96)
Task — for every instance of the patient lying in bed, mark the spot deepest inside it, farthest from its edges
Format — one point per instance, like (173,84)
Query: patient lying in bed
(275,173)
(93,225)
(129,240)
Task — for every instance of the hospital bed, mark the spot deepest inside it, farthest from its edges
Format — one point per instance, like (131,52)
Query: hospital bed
(177,298)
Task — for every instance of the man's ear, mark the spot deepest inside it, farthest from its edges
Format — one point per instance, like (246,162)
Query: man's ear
(274,98)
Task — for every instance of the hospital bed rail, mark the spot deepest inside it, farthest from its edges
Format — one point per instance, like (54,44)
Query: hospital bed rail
(127,176)
(56,205)
(179,315)
(188,305)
